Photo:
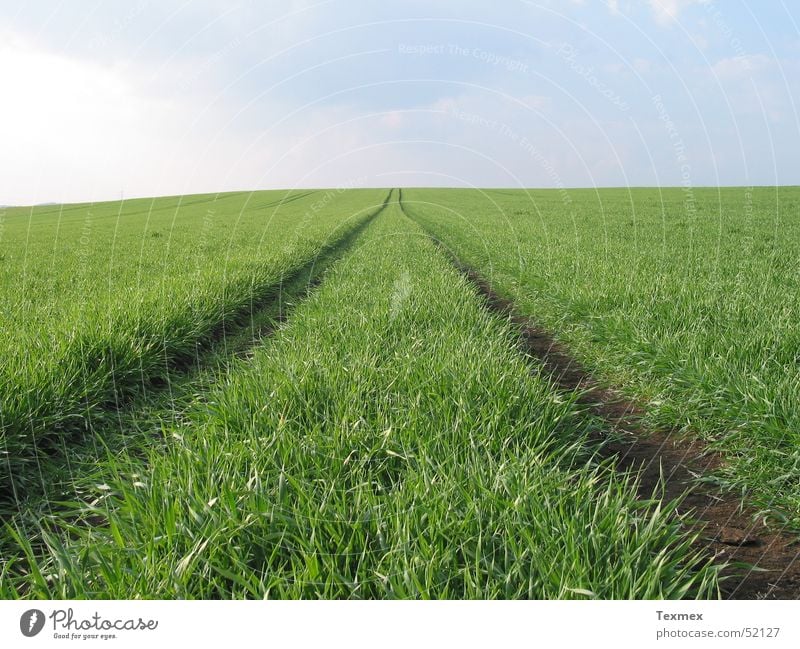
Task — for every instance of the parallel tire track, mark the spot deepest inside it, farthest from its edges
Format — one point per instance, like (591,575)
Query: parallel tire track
(292,287)
(759,562)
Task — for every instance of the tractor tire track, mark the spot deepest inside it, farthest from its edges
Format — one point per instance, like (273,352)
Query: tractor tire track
(757,562)
(233,337)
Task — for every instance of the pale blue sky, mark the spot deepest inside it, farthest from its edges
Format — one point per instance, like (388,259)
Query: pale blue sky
(153,98)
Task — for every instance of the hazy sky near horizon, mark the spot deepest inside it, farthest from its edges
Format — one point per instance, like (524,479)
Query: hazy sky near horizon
(103,99)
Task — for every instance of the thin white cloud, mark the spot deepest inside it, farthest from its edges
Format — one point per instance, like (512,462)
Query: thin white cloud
(80,130)
(225,110)
(737,67)
(666,12)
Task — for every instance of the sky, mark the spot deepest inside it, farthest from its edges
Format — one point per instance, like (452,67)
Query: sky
(102,100)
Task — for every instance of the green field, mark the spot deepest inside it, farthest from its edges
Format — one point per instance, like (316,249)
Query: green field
(297,394)
(99,302)
(688,301)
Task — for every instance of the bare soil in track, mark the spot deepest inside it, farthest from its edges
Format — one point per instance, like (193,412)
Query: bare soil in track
(235,336)
(762,562)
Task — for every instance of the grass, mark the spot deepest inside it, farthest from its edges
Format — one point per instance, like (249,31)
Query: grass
(387,441)
(101,302)
(686,298)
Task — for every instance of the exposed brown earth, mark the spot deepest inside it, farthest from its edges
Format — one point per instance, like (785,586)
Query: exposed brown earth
(762,563)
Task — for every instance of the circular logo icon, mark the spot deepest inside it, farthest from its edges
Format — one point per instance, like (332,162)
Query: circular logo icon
(31,622)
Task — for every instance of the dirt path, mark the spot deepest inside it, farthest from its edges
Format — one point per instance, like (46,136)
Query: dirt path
(730,533)
(184,378)
(763,563)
